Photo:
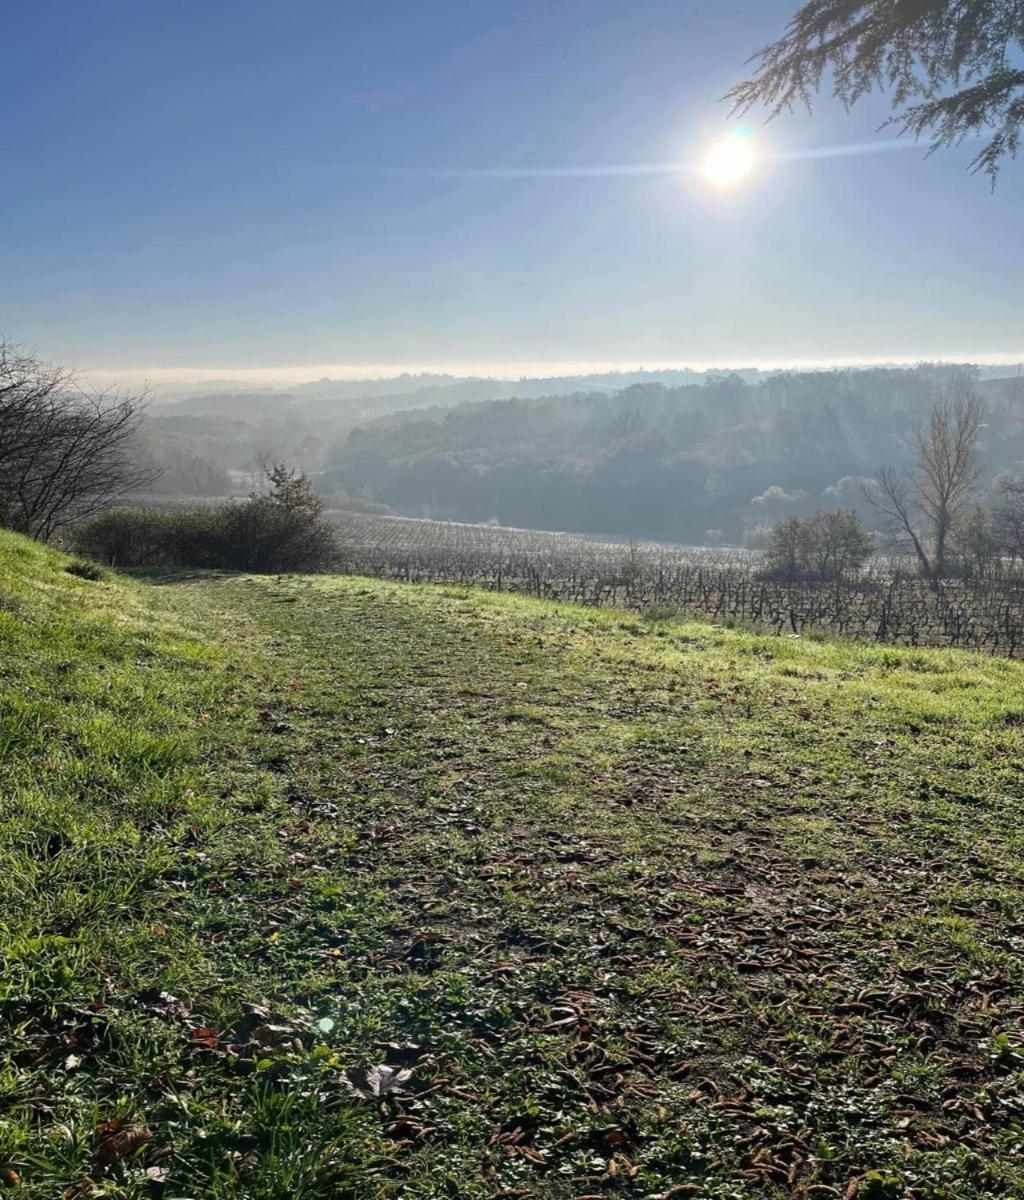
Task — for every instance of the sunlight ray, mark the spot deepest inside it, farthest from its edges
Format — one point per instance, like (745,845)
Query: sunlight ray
(625,170)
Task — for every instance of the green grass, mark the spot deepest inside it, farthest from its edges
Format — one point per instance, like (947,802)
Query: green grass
(646,908)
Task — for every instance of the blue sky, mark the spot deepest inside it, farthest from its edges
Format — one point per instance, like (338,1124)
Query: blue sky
(275,187)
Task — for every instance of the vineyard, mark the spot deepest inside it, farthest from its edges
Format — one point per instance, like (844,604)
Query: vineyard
(886,603)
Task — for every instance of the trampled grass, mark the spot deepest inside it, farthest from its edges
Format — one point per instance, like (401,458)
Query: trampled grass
(339,888)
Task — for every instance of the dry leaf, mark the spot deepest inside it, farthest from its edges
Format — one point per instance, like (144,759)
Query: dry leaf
(205,1037)
(117,1139)
(369,1083)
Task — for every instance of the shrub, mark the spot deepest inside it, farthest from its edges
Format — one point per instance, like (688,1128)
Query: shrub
(153,537)
(827,545)
(82,569)
(975,543)
(656,613)
(281,530)
(787,550)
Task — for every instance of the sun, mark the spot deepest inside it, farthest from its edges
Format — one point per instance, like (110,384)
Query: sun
(729,160)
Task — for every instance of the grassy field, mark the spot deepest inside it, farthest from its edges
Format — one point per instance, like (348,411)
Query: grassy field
(339,888)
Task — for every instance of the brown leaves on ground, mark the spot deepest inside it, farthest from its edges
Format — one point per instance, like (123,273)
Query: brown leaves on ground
(118,1139)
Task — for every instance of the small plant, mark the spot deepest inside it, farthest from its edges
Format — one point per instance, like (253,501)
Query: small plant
(1003,1051)
(83,569)
(656,613)
(876,1186)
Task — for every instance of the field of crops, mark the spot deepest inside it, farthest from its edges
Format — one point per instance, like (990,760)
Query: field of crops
(886,603)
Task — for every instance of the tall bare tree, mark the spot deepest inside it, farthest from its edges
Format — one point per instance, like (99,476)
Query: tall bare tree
(892,494)
(953,67)
(925,503)
(65,452)
(947,468)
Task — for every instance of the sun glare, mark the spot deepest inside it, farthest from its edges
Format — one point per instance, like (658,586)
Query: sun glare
(729,160)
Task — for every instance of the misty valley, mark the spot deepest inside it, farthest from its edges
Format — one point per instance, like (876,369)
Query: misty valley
(512,600)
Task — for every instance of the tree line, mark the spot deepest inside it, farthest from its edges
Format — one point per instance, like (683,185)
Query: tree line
(69,456)
(711,463)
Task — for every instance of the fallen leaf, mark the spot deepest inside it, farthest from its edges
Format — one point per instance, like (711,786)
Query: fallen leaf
(117,1139)
(272,1035)
(369,1083)
(205,1037)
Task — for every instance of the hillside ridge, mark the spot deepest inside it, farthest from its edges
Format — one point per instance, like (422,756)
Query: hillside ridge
(328,886)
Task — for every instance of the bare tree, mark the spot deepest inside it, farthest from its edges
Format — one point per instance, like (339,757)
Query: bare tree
(65,452)
(26,386)
(788,549)
(947,468)
(892,494)
(935,492)
(840,545)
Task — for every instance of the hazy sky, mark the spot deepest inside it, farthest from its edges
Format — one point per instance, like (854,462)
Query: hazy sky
(321,184)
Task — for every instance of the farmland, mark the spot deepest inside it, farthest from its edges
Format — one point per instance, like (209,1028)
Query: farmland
(886,603)
(323,886)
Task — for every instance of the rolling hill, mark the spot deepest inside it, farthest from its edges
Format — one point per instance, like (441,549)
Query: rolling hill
(334,887)
(707,463)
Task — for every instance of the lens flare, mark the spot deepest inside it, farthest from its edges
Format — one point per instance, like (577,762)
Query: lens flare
(730,160)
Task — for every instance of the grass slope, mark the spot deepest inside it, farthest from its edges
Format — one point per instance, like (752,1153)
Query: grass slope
(641,909)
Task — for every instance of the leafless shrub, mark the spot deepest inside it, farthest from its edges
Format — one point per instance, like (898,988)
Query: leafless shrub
(65,452)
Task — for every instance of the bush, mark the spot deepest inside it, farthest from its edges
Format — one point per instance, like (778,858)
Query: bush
(976,543)
(656,613)
(827,545)
(787,550)
(281,530)
(82,569)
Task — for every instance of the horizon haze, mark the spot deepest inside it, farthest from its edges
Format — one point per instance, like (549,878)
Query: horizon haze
(185,379)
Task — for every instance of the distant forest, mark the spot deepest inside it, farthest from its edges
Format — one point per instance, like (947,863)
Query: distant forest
(714,462)
(208,444)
